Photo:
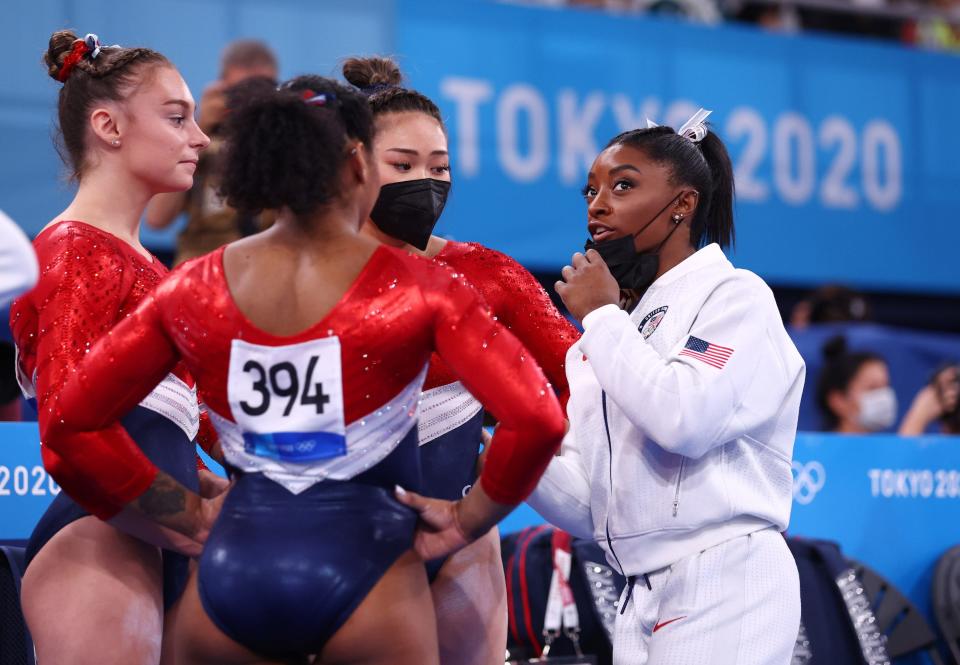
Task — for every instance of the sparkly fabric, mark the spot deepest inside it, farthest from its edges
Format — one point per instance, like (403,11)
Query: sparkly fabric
(519,303)
(397,312)
(89,280)
(206,437)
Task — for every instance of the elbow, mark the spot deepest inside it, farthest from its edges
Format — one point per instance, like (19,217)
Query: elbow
(563,503)
(550,425)
(685,436)
(50,430)
(54,440)
(58,425)
(541,424)
(56,466)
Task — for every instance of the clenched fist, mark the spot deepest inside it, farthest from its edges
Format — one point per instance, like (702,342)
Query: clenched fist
(587,285)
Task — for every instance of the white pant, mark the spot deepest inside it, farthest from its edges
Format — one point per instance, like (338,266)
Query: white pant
(737,603)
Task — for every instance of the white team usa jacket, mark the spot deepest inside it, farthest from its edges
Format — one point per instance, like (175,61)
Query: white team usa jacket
(683,416)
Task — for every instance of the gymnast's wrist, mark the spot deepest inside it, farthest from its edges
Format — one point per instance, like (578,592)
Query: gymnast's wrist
(477,513)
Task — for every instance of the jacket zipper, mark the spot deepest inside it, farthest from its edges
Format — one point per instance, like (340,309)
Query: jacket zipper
(676,496)
(606,426)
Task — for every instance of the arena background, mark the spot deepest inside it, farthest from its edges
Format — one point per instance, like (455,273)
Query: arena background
(845,152)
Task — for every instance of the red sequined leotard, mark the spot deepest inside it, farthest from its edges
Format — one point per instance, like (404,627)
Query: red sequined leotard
(451,418)
(520,304)
(90,280)
(329,402)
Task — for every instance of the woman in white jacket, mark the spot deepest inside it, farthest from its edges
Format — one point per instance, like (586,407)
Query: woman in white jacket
(685,390)
(18,263)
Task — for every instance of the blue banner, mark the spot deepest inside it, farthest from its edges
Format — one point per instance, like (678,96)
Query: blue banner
(843,150)
(26,489)
(890,502)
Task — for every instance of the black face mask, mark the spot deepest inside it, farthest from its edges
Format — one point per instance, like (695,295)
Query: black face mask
(409,210)
(633,270)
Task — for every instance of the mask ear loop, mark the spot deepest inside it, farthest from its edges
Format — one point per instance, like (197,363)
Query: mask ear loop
(654,218)
(676,225)
(677,218)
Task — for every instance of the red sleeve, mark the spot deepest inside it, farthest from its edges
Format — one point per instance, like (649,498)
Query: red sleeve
(79,428)
(500,372)
(523,306)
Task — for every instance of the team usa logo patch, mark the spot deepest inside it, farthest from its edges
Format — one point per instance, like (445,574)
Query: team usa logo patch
(711,354)
(650,322)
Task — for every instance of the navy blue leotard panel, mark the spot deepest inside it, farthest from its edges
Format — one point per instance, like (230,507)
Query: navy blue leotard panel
(281,572)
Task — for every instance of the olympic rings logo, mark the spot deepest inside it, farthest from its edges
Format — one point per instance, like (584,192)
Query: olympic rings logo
(808,479)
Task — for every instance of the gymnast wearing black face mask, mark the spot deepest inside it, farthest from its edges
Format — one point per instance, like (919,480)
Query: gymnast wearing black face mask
(633,269)
(411,152)
(637,236)
(683,367)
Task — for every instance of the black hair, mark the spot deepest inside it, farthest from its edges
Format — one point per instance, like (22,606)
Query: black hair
(111,75)
(840,366)
(284,150)
(380,79)
(705,166)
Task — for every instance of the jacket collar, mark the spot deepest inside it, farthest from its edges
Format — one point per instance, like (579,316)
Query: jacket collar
(709,256)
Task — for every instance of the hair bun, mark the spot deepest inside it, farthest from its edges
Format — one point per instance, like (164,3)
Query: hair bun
(369,72)
(835,347)
(61,43)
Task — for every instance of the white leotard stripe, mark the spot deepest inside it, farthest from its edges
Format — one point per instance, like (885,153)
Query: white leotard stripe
(177,402)
(172,398)
(369,440)
(444,409)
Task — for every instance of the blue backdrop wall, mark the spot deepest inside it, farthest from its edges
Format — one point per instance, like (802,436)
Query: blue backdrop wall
(845,167)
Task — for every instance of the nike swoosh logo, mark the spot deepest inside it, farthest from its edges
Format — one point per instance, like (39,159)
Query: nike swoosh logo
(666,623)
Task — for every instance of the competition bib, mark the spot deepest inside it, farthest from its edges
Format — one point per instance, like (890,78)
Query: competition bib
(288,400)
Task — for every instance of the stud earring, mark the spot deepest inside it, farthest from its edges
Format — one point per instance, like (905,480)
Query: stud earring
(115,142)
(677,217)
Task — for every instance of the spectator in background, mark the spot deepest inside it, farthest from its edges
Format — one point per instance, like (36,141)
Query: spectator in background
(939,30)
(853,391)
(938,400)
(772,18)
(211,223)
(18,263)
(832,303)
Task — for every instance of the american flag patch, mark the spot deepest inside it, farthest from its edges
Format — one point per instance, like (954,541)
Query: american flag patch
(712,354)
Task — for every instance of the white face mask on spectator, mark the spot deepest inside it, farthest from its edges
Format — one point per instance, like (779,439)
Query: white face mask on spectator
(878,409)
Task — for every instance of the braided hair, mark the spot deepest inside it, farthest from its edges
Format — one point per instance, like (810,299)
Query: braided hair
(90,73)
